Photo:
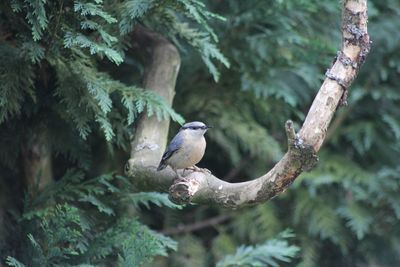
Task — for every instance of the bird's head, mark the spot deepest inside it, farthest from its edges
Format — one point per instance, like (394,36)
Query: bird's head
(196,128)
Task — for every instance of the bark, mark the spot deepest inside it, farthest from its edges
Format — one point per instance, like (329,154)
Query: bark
(36,156)
(204,188)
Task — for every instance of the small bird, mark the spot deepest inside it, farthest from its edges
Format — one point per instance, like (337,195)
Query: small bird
(186,149)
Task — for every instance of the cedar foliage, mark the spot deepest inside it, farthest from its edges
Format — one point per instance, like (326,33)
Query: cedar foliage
(78,221)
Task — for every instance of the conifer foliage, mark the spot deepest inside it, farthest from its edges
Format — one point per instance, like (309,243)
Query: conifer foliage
(79,221)
(63,41)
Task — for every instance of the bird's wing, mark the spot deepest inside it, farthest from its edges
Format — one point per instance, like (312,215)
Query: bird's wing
(173,146)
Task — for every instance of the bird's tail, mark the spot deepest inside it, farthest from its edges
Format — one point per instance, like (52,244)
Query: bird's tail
(162,166)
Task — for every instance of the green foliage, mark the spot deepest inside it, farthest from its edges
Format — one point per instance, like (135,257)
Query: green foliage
(132,11)
(63,231)
(359,218)
(261,36)
(264,220)
(322,221)
(179,20)
(17,82)
(147,198)
(66,34)
(268,254)
(99,41)
(143,245)
(13,262)
(96,90)
(76,221)
(190,253)
(36,17)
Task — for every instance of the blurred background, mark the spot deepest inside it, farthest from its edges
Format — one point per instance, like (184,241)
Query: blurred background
(70,96)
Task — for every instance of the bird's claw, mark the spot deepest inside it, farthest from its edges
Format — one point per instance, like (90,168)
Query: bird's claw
(197,169)
(205,170)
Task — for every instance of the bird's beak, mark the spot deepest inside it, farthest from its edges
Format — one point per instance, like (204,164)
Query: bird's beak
(208,127)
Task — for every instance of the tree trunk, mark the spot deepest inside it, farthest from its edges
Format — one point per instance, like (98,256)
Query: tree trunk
(36,154)
(161,71)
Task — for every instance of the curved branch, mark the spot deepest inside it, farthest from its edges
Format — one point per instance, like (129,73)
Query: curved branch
(198,187)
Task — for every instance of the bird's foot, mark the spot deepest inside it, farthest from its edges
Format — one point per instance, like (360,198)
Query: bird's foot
(177,174)
(197,169)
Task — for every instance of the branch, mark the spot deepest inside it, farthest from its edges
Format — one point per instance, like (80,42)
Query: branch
(204,188)
(187,228)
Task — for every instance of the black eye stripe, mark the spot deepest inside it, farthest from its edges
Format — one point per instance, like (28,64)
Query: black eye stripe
(194,127)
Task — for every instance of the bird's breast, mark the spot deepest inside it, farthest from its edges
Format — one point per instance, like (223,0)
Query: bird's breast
(190,153)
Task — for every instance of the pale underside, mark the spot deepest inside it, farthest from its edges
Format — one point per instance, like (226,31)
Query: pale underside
(189,154)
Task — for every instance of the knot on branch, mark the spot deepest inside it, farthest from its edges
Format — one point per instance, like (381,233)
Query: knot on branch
(302,154)
(360,38)
(147,145)
(342,82)
(345,60)
(182,190)
(355,31)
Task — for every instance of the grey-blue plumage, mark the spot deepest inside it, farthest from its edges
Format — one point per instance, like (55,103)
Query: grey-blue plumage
(173,146)
(187,147)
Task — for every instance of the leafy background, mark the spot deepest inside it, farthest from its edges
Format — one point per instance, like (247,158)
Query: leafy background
(69,73)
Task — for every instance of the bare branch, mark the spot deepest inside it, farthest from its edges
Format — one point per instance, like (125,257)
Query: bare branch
(187,228)
(355,47)
(204,188)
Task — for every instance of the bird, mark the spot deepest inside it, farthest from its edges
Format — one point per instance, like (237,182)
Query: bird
(186,149)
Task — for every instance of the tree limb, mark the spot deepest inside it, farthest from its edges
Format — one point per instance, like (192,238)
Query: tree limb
(204,188)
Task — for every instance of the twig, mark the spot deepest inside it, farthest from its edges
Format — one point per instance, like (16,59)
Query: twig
(187,228)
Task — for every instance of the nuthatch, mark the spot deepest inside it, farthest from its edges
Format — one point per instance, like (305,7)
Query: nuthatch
(186,149)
